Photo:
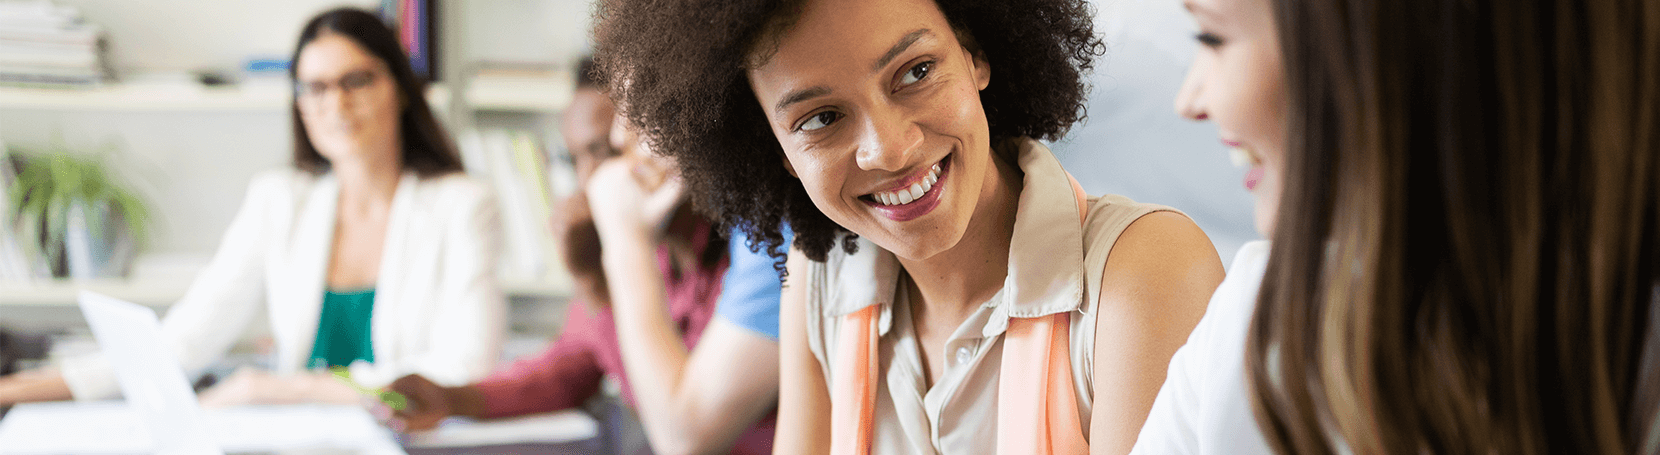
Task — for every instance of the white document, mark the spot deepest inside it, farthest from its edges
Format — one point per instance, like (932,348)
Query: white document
(111,427)
(550,428)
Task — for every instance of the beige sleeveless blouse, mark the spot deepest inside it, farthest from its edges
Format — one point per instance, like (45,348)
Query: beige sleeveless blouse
(1055,265)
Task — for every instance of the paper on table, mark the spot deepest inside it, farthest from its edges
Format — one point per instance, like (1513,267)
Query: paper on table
(113,427)
(563,426)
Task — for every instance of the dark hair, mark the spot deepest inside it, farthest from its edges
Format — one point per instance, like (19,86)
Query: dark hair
(677,70)
(585,72)
(1468,242)
(426,149)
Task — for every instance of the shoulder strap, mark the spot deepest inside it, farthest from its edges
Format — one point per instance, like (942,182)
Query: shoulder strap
(853,389)
(1037,411)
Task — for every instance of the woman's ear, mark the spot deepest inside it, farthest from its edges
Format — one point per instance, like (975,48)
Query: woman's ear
(982,68)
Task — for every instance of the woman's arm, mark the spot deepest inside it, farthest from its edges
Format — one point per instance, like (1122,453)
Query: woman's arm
(803,396)
(690,401)
(44,384)
(1158,277)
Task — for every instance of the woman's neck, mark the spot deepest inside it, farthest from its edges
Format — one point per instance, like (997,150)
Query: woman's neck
(958,280)
(367,186)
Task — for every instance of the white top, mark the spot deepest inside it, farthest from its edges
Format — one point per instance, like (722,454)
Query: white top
(1055,265)
(438,309)
(1205,404)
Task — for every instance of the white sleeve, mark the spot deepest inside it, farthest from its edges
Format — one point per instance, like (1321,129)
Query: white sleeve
(217,307)
(470,324)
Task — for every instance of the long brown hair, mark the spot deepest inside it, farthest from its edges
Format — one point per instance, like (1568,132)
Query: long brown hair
(427,150)
(1466,252)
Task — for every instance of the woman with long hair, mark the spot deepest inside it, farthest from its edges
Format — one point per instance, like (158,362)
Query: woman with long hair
(1464,205)
(372,251)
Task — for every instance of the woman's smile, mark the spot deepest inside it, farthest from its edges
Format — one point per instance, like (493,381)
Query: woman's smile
(913,196)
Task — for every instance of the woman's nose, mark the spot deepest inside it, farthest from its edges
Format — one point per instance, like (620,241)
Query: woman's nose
(1189,100)
(890,137)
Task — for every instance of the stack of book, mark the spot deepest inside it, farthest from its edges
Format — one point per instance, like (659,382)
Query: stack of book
(46,45)
(413,21)
(517,166)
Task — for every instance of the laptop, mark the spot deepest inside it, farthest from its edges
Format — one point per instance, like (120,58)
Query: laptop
(161,414)
(151,379)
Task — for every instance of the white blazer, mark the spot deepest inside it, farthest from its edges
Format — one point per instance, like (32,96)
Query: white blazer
(438,309)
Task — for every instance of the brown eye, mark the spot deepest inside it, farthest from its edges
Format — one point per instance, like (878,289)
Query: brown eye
(1209,39)
(819,120)
(917,73)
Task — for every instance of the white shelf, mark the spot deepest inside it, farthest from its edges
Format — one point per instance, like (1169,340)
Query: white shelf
(160,281)
(151,292)
(518,96)
(167,97)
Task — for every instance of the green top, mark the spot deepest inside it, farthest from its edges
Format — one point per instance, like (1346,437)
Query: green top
(343,330)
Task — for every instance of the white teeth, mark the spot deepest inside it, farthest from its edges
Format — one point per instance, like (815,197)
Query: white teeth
(1240,157)
(909,194)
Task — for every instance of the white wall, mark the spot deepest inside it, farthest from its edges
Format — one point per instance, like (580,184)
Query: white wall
(193,167)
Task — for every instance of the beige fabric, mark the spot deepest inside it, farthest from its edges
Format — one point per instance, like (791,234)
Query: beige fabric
(1053,265)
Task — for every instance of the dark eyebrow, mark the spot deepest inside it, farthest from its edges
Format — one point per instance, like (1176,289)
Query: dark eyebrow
(799,96)
(904,43)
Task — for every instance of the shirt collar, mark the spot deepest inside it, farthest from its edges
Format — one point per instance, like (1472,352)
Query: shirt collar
(1046,256)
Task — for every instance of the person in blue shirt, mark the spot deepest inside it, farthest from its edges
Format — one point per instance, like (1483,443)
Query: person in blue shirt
(686,322)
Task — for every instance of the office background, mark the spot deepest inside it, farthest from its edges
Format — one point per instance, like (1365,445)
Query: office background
(504,74)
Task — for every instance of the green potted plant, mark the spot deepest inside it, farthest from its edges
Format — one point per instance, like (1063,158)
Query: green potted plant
(78,220)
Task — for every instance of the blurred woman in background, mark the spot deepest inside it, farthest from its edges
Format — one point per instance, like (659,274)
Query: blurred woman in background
(372,251)
(1464,203)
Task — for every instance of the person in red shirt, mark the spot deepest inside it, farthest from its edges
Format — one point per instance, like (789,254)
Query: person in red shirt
(646,311)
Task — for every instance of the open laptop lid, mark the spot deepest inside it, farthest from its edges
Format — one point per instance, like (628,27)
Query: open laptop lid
(152,381)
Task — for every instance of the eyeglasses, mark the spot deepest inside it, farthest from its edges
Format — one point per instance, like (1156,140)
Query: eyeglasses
(350,83)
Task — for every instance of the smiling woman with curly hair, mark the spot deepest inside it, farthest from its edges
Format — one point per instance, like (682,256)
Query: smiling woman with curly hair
(946,275)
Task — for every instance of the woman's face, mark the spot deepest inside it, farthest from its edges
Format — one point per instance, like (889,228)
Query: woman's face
(1238,81)
(877,107)
(347,99)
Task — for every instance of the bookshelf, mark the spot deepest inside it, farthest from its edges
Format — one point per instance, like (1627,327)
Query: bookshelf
(167,97)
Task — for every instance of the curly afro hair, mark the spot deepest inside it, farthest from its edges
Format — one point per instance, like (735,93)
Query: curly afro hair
(678,70)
